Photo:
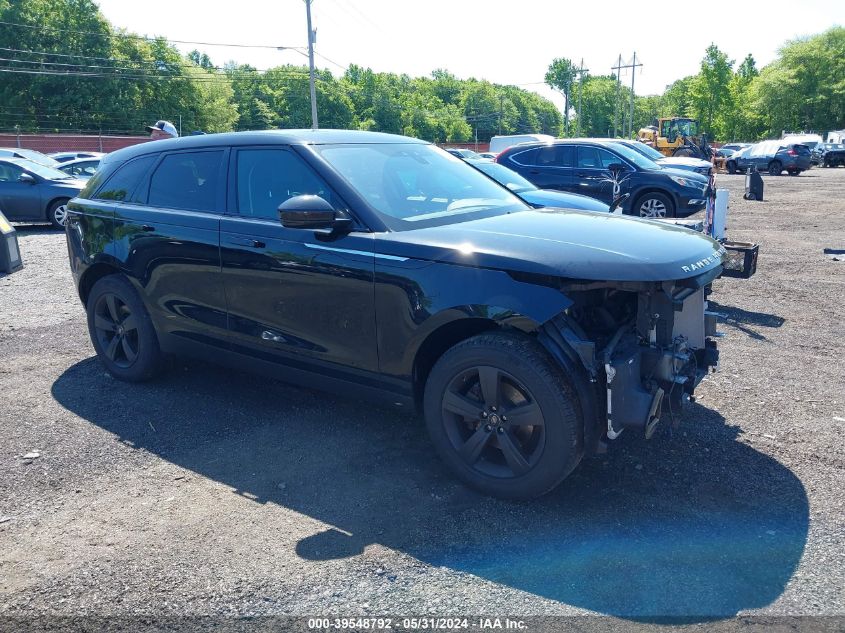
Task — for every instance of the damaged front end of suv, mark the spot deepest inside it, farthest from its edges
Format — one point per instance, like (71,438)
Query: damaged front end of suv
(643,346)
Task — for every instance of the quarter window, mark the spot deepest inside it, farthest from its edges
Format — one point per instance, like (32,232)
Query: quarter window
(125,180)
(187,180)
(268,177)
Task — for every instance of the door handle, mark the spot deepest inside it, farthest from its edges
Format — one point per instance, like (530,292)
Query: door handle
(534,171)
(245,241)
(582,175)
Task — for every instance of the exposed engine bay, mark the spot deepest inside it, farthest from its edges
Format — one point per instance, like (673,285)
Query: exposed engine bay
(646,345)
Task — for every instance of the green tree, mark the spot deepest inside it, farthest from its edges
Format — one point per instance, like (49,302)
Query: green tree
(710,90)
(804,89)
(599,102)
(560,76)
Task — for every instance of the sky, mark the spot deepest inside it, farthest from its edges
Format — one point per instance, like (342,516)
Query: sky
(503,42)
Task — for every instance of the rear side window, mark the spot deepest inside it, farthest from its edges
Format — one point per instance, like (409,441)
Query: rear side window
(555,156)
(595,158)
(187,180)
(123,183)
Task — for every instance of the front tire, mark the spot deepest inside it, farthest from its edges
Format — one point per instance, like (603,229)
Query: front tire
(121,330)
(654,205)
(503,416)
(775,168)
(57,213)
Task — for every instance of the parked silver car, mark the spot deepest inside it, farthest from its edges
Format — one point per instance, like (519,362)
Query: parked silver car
(771,156)
(33,192)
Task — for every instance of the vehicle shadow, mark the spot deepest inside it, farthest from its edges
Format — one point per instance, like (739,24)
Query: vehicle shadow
(699,525)
(740,319)
(36,229)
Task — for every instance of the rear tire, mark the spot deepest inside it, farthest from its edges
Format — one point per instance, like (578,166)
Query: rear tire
(121,330)
(731,165)
(654,205)
(471,393)
(793,172)
(57,213)
(775,168)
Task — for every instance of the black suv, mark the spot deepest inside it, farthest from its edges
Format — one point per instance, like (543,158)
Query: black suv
(381,266)
(605,170)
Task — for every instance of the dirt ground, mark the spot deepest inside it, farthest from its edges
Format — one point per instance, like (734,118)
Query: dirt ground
(210,492)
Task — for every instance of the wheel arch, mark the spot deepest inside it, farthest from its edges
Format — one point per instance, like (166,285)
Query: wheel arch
(652,189)
(53,200)
(441,339)
(92,275)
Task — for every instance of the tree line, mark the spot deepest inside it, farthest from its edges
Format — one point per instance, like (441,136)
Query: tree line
(65,68)
(803,89)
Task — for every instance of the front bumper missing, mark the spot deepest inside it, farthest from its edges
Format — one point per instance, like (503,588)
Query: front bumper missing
(660,363)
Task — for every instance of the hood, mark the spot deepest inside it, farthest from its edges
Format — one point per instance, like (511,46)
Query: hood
(548,198)
(686,173)
(687,161)
(73,183)
(563,243)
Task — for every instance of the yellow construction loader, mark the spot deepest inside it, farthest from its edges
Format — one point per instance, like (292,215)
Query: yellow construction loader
(676,136)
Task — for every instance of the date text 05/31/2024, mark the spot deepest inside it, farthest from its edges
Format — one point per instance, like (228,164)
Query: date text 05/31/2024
(415,624)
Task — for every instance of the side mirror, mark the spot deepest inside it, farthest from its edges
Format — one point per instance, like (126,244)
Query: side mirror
(309,212)
(27,178)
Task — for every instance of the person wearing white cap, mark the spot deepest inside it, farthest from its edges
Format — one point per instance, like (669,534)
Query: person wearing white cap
(162,129)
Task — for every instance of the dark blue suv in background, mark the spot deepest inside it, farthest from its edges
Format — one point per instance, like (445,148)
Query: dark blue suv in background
(605,170)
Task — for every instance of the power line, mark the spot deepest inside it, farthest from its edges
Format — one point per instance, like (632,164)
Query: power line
(206,79)
(181,63)
(139,37)
(149,72)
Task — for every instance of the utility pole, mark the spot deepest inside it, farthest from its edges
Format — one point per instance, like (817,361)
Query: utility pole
(311,38)
(618,69)
(618,110)
(501,105)
(634,65)
(581,71)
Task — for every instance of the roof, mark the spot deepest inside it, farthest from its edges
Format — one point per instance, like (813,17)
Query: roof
(264,137)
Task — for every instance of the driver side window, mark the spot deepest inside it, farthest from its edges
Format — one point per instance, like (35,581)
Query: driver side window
(9,172)
(268,177)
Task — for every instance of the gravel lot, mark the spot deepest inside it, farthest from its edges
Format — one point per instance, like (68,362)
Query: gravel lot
(220,493)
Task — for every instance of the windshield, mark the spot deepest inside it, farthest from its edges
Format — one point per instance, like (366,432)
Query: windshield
(687,127)
(505,176)
(43,171)
(37,157)
(645,150)
(410,183)
(635,157)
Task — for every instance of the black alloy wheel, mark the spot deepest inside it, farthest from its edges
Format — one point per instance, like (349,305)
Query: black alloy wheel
(503,415)
(117,330)
(775,168)
(493,422)
(121,330)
